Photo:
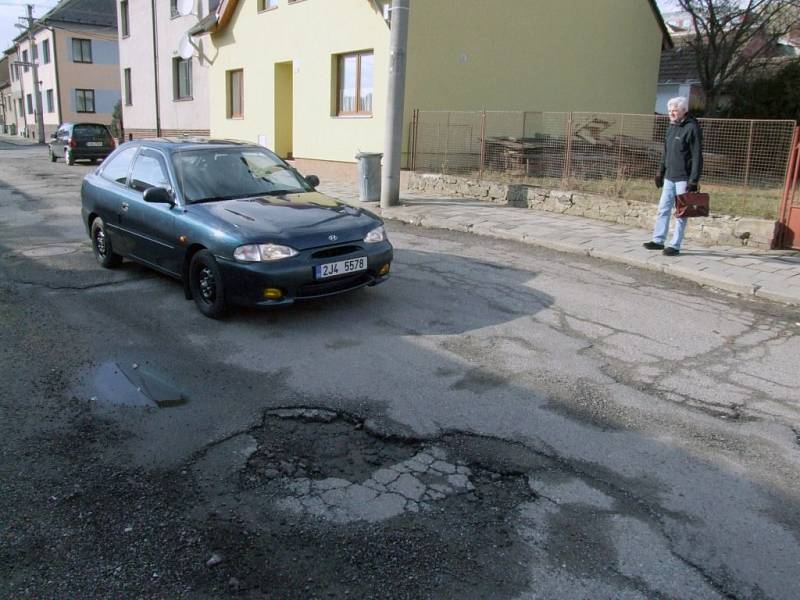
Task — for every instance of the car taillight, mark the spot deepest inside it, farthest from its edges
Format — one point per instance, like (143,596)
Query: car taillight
(71,143)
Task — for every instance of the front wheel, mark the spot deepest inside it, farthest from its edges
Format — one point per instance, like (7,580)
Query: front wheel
(205,281)
(52,156)
(101,245)
(69,159)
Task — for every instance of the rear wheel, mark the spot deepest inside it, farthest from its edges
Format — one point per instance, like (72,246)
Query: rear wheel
(205,281)
(101,245)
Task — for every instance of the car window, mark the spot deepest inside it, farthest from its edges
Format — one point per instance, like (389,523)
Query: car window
(83,133)
(218,174)
(149,171)
(117,168)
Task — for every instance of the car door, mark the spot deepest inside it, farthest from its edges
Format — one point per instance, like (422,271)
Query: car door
(53,143)
(63,140)
(57,144)
(109,191)
(151,226)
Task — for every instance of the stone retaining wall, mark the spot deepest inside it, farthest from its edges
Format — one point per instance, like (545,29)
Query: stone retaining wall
(709,231)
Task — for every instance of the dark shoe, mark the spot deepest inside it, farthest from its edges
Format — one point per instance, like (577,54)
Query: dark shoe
(653,246)
(670,251)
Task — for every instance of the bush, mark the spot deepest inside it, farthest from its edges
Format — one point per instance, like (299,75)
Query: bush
(775,95)
(116,120)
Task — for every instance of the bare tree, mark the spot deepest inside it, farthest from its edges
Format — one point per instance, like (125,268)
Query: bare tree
(730,34)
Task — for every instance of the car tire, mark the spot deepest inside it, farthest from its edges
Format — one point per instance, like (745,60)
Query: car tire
(101,246)
(205,281)
(68,158)
(52,156)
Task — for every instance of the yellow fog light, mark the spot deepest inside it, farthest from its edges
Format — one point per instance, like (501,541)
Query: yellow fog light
(273,293)
(384,269)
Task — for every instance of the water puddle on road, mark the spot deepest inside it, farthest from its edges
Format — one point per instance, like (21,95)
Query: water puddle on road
(130,384)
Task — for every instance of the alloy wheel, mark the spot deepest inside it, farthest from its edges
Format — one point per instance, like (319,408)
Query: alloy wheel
(208,286)
(100,243)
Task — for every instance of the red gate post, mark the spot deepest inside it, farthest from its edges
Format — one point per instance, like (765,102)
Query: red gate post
(789,190)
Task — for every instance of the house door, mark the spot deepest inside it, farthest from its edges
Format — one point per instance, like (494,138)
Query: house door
(788,232)
(284,114)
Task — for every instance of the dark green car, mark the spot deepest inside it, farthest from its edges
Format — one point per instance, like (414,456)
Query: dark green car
(231,220)
(81,141)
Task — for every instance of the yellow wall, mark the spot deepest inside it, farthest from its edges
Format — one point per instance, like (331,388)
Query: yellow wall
(538,55)
(307,34)
(546,55)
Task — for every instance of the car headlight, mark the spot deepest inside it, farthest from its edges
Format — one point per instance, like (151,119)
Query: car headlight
(376,235)
(263,252)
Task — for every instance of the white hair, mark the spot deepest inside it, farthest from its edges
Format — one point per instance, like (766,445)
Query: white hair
(681,103)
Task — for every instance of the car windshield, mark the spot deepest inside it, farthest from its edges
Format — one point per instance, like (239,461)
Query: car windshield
(208,175)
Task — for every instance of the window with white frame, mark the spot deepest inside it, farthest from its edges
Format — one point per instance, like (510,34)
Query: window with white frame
(182,78)
(127,87)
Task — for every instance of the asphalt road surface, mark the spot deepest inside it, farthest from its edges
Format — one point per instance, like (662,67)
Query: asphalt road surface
(496,421)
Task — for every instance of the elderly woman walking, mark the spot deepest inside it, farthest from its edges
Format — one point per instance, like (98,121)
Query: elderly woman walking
(679,172)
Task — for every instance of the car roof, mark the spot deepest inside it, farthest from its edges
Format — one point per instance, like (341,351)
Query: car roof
(170,144)
(71,124)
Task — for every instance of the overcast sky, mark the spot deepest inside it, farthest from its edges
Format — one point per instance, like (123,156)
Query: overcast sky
(10,10)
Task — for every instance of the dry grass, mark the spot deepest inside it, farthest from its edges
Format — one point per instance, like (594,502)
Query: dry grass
(736,201)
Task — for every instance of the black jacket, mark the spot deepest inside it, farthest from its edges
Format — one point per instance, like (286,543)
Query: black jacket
(683,152)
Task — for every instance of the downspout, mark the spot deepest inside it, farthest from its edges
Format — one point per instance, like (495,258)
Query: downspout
(55,67)
(155,68)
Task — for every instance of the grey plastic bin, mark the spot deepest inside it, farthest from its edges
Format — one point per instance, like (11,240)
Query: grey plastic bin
(369,176)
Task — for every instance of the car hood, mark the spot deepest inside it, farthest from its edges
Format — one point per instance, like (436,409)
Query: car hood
(304,220)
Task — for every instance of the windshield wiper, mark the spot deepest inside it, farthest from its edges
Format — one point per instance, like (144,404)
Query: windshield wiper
(282,192)
(213,199)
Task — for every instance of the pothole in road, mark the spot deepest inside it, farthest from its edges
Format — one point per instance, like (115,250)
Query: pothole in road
(129,384)
(393,514)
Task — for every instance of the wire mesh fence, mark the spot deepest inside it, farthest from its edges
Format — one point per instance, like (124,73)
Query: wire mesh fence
(606,153)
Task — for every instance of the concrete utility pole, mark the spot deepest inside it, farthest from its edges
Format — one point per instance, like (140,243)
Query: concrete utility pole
(395,104)
(37,96)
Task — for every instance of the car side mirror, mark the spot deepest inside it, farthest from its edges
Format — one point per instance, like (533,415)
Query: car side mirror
(312,180)
(158,195)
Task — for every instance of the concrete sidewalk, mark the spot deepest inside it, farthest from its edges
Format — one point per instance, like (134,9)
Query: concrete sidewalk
(772,275)
(16,140)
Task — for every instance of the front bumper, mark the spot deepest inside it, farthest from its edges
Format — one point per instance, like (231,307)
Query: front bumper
(244,283)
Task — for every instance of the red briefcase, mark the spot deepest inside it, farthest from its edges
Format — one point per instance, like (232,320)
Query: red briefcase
(691,204)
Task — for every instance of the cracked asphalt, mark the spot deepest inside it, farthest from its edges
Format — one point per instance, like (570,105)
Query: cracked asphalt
(497,421)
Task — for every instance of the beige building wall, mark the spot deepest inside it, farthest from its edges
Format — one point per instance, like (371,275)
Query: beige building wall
(47,81)
(570,55)
(102,75)
(177,116)
(136,54)
(304,38)
(16,93)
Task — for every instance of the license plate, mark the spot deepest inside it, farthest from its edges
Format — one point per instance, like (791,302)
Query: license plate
(94,143)
(342,267)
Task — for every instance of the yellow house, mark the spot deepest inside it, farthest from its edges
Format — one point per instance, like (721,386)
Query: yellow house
(308,78)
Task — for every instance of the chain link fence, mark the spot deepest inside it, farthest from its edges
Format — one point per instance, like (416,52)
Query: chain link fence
(745,161)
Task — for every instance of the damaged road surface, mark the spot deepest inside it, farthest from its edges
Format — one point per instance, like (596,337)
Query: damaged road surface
(496,421)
